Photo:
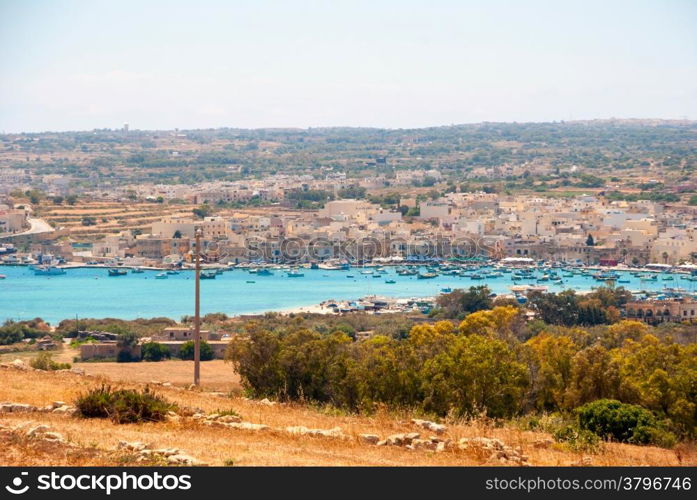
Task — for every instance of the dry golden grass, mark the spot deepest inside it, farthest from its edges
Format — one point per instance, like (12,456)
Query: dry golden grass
(216,374)
(95,439)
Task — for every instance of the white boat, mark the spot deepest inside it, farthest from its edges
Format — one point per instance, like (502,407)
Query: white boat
(48,271)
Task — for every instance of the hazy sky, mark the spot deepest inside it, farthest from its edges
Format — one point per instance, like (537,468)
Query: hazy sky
(76,65)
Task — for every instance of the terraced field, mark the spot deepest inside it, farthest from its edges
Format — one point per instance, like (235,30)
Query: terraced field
(110,217)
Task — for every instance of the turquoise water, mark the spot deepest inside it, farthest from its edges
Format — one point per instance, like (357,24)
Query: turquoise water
(89,292)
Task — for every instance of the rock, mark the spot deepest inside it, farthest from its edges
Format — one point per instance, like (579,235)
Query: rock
(58,404)
(401,439)
(423,444)
(248,426)
(39,429)
(19,365)
(132,446)
(441,446)
(266,402)
(166,452)
(166,384)
(53,436)
(17,408)
(498,451)
(428,425)
(304,431)
(77,371)
(65,410)
(369,438)
(230,419)
(182,459)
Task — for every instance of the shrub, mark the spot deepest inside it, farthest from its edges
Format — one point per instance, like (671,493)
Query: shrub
(154,351)
(577,439)
(44,361)
(187,351)
(125,356)
(123,406)
(611,419)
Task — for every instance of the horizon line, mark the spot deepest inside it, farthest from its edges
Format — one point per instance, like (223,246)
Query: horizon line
(676,121)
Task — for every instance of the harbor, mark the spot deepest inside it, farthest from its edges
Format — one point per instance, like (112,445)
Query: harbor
(60,292)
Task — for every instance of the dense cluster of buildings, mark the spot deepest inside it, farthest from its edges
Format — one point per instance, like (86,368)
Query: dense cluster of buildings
(584,229)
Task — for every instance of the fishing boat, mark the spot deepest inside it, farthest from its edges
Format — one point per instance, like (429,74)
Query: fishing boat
(48,271)
(295,274)
(623,281)
(117,272)
(251,281)
(137,270)
(349,276)
(264,272)
(390,282)
(446,290)
(161,276)
(172,271)
(427,276)
(208,275)
(2,276)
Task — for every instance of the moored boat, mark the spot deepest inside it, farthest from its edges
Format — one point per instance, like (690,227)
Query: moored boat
(427,276)
(48,271)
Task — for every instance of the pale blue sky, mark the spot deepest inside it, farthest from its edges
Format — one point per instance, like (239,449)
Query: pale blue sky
(77,65)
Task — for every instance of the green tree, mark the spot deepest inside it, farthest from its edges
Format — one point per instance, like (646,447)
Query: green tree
(186,351)
(154,351)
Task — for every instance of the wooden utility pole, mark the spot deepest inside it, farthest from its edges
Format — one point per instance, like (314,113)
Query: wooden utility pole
(197,313)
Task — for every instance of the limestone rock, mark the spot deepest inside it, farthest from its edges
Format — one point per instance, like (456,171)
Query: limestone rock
(369,438)
(428,425)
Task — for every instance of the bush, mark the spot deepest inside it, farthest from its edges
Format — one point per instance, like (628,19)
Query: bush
(577,439)
(626,423)
(187,351)
(44,361)
(123,406)
(125,356)
(154,351)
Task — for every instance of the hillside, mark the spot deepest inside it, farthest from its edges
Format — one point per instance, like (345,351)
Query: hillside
(212,442)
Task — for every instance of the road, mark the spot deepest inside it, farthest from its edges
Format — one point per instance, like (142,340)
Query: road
(37,226)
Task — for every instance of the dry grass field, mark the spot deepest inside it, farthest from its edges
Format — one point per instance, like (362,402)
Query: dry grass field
(94,442)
